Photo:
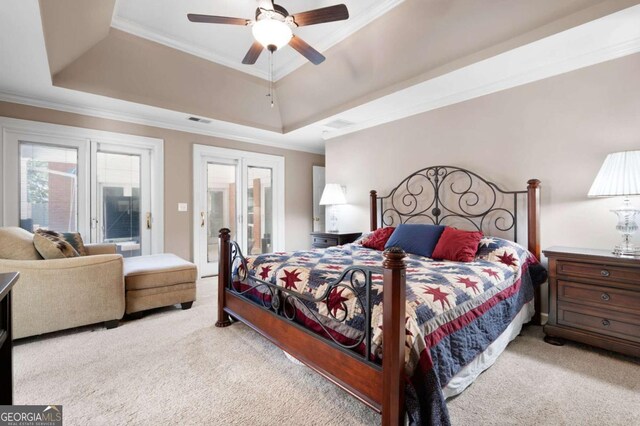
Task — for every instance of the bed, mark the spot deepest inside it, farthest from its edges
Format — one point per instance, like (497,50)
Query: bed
(398,331)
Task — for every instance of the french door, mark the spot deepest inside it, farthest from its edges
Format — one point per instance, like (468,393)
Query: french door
(241,191)
(121,198)
(70,181)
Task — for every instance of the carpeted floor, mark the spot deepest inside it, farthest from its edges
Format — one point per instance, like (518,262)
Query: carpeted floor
(175,367)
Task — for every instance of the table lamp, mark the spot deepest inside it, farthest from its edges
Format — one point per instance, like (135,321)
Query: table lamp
(333,195)
(619,176)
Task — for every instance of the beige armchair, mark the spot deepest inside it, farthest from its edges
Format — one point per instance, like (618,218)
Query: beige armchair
(57,294)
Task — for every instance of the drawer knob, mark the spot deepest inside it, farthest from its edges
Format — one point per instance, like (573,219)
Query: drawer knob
(605,297)
(605,273)
(606,322)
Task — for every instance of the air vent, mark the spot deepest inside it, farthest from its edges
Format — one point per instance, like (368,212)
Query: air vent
(199,120)
(339,124)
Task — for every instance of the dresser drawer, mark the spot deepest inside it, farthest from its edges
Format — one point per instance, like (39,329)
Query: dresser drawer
(321,241)
(605,297)
(609,323)
(601,272)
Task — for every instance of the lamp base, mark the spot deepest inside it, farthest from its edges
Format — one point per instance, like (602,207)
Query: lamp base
(333,220)
(626,250)
(627,226)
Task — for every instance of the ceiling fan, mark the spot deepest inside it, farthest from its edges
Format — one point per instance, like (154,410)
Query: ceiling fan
(272,28)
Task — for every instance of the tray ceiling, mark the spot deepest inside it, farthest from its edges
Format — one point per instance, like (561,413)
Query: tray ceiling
(165,22)
(587,36)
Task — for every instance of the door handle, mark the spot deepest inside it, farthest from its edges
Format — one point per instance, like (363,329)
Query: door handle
(202,216)
(148,220)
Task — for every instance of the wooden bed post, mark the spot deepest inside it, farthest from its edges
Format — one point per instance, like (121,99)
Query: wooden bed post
(374,210)
(224,274)
(533,237)
(393,336)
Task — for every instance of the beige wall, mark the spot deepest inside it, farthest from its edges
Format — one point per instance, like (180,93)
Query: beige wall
(179,173)
(558,130)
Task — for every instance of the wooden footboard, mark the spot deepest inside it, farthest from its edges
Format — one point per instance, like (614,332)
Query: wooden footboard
(380,388)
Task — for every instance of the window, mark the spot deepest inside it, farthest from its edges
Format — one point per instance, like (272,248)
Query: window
(119,218)
(48,187)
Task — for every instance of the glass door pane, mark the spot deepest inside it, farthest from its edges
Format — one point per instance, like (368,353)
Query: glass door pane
(221,205)
(119,218)
(48,187)
(259,224)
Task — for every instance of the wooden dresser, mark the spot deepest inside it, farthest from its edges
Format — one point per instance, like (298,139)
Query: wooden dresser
(330,239)
(7,281)
(594,298)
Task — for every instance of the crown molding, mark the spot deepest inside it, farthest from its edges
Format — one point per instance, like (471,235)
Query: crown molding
(347,28)
(163,123)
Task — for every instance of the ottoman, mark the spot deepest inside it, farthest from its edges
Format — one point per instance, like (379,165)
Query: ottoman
(158,280)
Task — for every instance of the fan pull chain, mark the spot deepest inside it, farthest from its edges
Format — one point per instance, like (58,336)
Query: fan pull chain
(271,78)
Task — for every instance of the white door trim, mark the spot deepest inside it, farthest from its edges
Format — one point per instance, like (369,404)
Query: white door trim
(62,132)
(245,158)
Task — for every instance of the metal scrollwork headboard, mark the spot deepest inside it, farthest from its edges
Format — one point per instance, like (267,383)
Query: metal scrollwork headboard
(448,195)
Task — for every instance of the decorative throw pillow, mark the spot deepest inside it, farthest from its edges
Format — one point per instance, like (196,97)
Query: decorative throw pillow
(75,239)
(378,238)
(52,245)
(416,238)
(457,245)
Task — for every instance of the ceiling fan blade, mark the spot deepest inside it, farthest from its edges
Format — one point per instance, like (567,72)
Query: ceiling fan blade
(253,54)
(338,12)
(307,51)
(211,19)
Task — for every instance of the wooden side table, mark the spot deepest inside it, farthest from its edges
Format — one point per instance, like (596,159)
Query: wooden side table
(330,239)
(7,281)
(594,298)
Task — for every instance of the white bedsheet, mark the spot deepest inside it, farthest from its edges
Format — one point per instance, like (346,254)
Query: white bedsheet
(468,374)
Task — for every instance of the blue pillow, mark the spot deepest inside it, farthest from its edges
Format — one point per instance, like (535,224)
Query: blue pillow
(418,239)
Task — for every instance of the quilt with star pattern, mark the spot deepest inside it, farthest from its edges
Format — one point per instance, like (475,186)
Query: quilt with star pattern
(454,310)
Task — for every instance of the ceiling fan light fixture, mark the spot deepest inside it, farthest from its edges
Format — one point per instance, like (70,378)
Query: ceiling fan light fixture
(272,28)
(271,32)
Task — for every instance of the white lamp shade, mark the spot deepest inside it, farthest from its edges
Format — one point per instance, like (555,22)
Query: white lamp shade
(271,32)
(332,195)
(618,176)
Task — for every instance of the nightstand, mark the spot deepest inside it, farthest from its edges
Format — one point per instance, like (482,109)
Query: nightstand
(594,298)
(330,239)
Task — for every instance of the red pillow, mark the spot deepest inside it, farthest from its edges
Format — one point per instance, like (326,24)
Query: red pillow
(457,245)
(379,238)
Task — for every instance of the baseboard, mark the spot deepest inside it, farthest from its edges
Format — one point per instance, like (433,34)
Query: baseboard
(544,318)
